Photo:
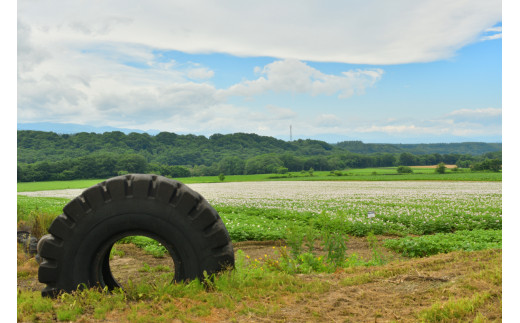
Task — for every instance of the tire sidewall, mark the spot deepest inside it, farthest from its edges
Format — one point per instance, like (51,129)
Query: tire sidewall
(116,218)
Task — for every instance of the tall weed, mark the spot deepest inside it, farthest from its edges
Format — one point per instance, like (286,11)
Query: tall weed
(377,256)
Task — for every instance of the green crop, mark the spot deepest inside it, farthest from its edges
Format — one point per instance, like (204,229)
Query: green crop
(446,242)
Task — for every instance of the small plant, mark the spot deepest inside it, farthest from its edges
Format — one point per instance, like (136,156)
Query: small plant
(160,268)
(149,245)
(221,177)
(377,256)
(311,235)
(304,263)
(335,243)
(156,251)
(295,237)
(116,252)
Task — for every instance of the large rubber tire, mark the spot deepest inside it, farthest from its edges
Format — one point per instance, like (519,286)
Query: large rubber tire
(76,252)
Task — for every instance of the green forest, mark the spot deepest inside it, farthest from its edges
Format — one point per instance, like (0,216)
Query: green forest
(44,156)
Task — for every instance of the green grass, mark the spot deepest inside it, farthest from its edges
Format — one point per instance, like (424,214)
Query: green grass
(35,214)
(158,302)
(257,291)
(364,174)
(454,309)
(149,245)
(56,185)
(27,206)
(261,292)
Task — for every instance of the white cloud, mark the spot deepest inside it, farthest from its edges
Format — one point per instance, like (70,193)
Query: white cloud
(491,37)
(28,55)
(128,85)
(200,73)
(327,120)
(366,32)
(493,33)
(94,62)
(460,123)
(494,29)
(477,113)
(297,77)
(481,116)
(280,113)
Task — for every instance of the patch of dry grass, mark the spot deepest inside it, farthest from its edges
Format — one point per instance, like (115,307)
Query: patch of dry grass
(449,287)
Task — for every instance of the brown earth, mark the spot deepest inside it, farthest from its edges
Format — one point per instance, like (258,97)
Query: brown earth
(435,166)
(395,292)
(137,265)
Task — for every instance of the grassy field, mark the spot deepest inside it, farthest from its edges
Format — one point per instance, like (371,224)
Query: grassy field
(364,174)
(431,254)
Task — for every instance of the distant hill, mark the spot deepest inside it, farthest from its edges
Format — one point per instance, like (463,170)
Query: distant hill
(472,148)
(44,155)
(72,128)
(175,149)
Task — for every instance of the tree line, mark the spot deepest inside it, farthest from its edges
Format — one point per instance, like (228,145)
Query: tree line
(46,156)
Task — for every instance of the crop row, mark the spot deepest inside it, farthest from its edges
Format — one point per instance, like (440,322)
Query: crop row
(445,242)
(265,210)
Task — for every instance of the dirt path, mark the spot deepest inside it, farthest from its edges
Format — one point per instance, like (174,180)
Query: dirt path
(132,263)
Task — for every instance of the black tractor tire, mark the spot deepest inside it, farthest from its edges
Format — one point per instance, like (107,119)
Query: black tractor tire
(28,242)
(76,251)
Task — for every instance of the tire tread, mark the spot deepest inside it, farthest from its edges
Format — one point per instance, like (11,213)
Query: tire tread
(203,224)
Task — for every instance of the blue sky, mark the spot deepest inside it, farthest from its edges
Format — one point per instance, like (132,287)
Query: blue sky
(377,71)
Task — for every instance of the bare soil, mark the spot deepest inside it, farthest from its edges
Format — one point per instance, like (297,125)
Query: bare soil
(136,265)
(435,166)
(395,292)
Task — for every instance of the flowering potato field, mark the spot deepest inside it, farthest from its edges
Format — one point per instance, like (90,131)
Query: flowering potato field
(265,210)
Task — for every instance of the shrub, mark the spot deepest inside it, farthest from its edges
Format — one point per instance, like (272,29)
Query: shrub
(404,170)
(282,170)
(441,168)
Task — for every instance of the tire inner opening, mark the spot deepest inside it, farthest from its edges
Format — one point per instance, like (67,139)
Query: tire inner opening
(138,259)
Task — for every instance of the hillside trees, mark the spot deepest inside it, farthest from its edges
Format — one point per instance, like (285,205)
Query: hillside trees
(231,165)
(50,156)
(494,165)
(132,163)
(317,163)
(263,164)
(292,162)
(385,160)
(407,159)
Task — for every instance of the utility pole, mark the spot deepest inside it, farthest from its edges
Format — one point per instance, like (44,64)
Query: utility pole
(290,132)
